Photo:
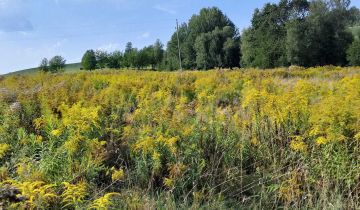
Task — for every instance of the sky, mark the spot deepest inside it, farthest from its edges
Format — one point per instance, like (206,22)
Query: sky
(33,29)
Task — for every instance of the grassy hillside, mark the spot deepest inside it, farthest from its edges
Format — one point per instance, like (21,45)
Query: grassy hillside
(72,67)
(247,139)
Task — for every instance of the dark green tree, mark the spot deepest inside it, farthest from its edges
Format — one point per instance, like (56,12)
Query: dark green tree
(315,33)
(44,65)
(328,33)
(194,43)
(296,41)
(353,53)
(158,54)
(263,43)
(56,64)
(322,37)
(88,60)
(144,58)
(102,58)
(231,50)
(130,56)
(202,47)
(217,49)
(115,60)
(172,50)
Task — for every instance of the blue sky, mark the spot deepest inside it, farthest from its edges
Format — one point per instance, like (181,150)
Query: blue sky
(33,29)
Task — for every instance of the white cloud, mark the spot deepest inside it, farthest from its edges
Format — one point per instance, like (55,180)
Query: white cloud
(109,47)
(164,9)
(59,44)
(144,35)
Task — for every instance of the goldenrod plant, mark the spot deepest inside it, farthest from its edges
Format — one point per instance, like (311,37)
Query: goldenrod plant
(74,194)
(104,202)
(242,139)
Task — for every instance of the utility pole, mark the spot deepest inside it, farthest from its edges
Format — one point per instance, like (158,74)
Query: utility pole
(177,33)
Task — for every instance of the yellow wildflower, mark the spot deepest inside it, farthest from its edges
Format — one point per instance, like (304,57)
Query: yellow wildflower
(321,140)
(118,175)
(169,183)
(357,136)
(39,139)
(103,202)
(56,133)
(74,194)
(298,146)
(4,148)
(254,141)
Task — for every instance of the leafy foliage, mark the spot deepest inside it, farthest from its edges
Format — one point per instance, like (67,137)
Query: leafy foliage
(353,53)
(89,60)
(56,64)
(316,34)
(203,41)
(44,65)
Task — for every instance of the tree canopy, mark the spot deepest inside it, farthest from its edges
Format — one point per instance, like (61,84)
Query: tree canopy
(89,60)
(44,65)
(56,63)
(202,42)
(299,32)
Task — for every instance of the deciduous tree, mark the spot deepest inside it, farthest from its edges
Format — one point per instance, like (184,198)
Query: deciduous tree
(44,65)
(57,63)
(89,60)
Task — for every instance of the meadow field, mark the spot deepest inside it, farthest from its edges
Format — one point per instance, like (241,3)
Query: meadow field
(285,138)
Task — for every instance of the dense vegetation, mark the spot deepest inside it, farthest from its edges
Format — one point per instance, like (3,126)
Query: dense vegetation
(300,32)
(218,139)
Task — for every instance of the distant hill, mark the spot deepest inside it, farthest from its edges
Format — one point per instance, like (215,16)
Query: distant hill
(71,67)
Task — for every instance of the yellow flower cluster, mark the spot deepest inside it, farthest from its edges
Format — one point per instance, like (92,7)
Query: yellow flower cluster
(37,194)
(117,175)
(74,194)
(104,202)
(78,117)
(4,148)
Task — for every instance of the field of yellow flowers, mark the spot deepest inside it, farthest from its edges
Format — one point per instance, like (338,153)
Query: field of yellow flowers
(280,138)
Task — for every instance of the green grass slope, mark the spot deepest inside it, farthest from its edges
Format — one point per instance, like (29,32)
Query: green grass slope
(72,67)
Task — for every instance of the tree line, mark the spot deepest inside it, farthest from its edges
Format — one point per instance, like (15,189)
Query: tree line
(300,32)
(291,32)
(149,56)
